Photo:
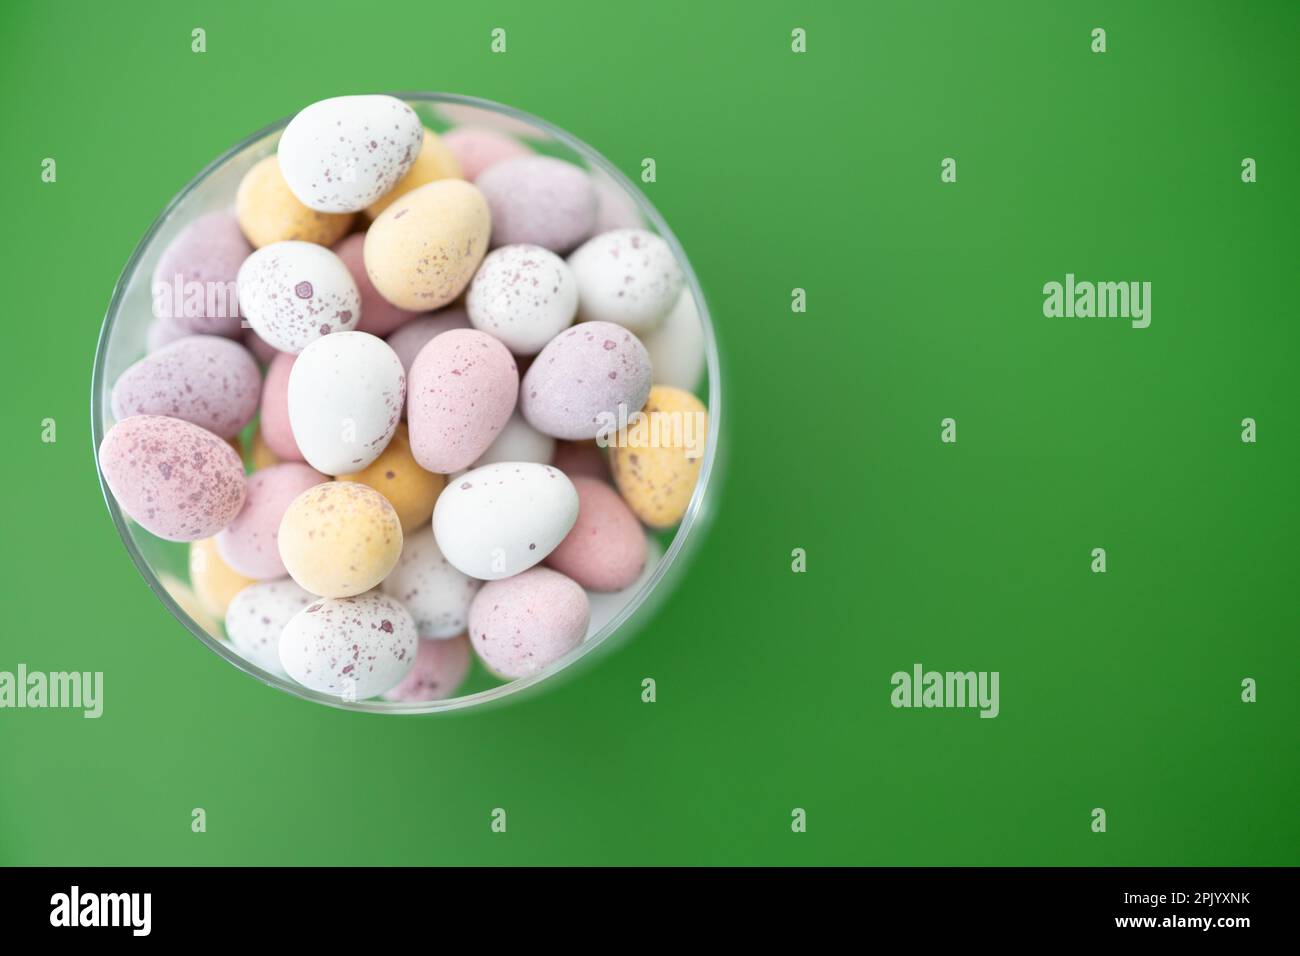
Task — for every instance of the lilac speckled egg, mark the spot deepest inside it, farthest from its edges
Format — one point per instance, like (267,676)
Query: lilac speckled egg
(440,668)
(176,480)
(249,543)
(430,587)
(628,276)
(207,380)
(264,351)
(524,295)
(412,337)
(194,281)
(539,200)
(353,647)
(586,380)
(257,617)
(163,332)
(274,424)
(378,315)
(477,148)
(605,550)
(521,625)
(293,293)
(463,387)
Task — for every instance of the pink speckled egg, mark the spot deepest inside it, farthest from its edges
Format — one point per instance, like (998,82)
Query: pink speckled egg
(176,480)
(378,315)
(585,381)
(195,281)
(352,647)
(296,292)
(416,334)
(476,148)
(249,543)
(605,550)
(521,625)
(207,380)
(539,200)
(440,668)
(274,425)
(581,459)
(463,387)
(262,349)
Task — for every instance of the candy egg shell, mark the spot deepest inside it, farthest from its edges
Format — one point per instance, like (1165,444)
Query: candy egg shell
(215,582)
(605,550)
(293,293)
(397,476)
(584,378)
(676,346)
(416,334)
(207,380)
(539,200)
(605,606)
(581,459)
(524,295)
(346,394)
(422,250)
(354,647)
(274,425)
(523,624)
(440,668)
(435,592)
(464,384)
(518,441)
(378,315)
(476,148)
(657,463)
(198,270)
(176,480)
(258,616)
(269,212)
(628,276)
(248,544)
(435,162)
(340,538)
(502,519)
(341,154)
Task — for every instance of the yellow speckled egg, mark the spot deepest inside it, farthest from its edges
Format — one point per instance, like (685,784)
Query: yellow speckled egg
(189,603)
(260,454)
(410,489)
(421,251)
(269,212)
(657,462)
(340,538)
(215,582)
(435,162)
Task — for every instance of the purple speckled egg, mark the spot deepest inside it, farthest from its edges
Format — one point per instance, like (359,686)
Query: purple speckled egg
(539,200)
(463,387)
(176,480)
(207,380)
(274,423)
(249,543)
(586,380)
(411,338)
(521,625)
(378,315)
(605,549)
(163,332)
(440,668)
(352,647)
(293,293)
(195,281)
(476,148)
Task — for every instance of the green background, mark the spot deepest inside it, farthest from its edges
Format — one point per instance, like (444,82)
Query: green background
(776,171)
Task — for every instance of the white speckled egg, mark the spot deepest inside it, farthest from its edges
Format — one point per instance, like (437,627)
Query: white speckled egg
(436,594)
(503,518)
(524,295)
(257,616)
(353,647)
(292,293)
(346,394)
(342,154)
(627,276)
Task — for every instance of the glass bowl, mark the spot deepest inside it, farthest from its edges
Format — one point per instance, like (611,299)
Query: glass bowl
(164,564)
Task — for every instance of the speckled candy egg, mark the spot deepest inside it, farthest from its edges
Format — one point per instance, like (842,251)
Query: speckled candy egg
(194,280)
(215,582)
(628,276)
(605,605)
(464,385)
(274,425)
(341,154)
(340,538)
(346,393)
(431,588)
(657,463)
(524,295)
(422,250)
(518,441)
(525,623)
(501,519)
(605,550)
(412,337)
(539,200)
(397,476)
(176,480)
(268,211)
(293,293)
(354,648)
(209,381)
(378,315)
(583,379)
(440,668)
(477,148)
(676,346)
(258,616)
(248,544)
(435,162)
